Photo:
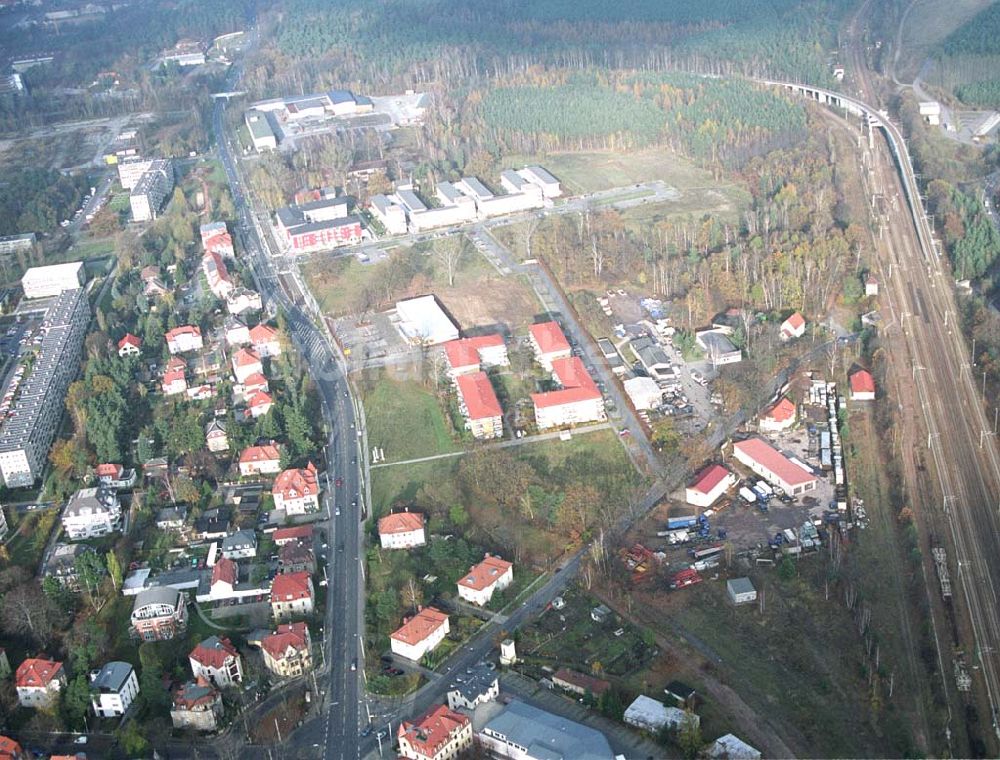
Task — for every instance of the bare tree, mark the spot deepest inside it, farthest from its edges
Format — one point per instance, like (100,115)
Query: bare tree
(26,611)
(448,252)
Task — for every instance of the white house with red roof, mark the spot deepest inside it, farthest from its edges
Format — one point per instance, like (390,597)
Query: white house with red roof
(215,237)
(402,530)
(265,340)
(130,345)
(709,485)
(246,363)
(225,576)
(793,327)
(478,402)
(578,400)
(284,536)
(288,651)
(259,404)
(778,417)
(862,385)
(217,275)
(254,383)
(183,339)
(243,299)
(549,343)
(491,575)
(260,460)
(439,734)
(200,392)
(39,682)
(420,634)
(113,475)
(217,661)
(296,490)
(292,595)
(174,382)
(792,476)
(467,355)
(871,285)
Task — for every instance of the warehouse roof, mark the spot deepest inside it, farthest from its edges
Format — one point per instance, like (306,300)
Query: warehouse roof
(548,736)
(773,460)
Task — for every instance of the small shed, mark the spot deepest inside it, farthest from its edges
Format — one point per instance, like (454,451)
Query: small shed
(681,693)
(652,715)
(741,591)
(730,747)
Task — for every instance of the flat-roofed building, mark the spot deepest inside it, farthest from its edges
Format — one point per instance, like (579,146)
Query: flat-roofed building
(152,189)
(391,215)
(423,322)
(475,189)
(261,133)
(131,169)
(523,732)
(53,279)
(540,177)
(317,226)
(11,244)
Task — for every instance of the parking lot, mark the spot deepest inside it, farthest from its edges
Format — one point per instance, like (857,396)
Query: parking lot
(372,339)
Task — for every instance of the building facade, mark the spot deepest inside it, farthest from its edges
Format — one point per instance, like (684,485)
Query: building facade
(92,512)
(159,614)
(113,688)
(147,196)
(402,530)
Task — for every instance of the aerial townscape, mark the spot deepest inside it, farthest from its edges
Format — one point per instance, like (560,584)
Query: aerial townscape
(532,380)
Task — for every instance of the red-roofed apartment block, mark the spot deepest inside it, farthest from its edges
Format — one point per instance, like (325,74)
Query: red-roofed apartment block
(467,355)
(780,416)
(708,485)
(292,594)
(479,404)
(765,460)
(862,386)
(39,682)
(549,343)
(492,574)
(793,327)
(420,634)
(402,530)
(297,491)
(439,734)
(577,401)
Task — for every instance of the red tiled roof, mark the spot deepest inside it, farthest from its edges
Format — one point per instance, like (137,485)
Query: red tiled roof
(129,340)
(577,385)
(288,534)
(709,478)
(782,411)
(795,321)
(245,357)
(477,393)
(549,337)
(259,398)
(400,522)
(213,652)
(9,748)
(226,571)
(291,587)
(268,453)
(195,694)
(37,673)
(464,352)
(172,376)
(108,470)
(771,459)
(255,380)
(420,626)
(485,573)
(288,635)
(175,363)
(862,382)
(595,686)
(182,330)
(432,731)
(296,483)
(262,333)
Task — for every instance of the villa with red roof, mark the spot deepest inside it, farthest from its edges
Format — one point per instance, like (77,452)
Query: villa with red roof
(793,477)
(549,343)
(198,705)
(11,750)
(130,345)
(259,404)
(217,661)
(260,460)
(225,575)
(292,595)
(184,338)
(478,402)
(439,734)
(467,355)
(39,682)
(402,530)
(265,340)
(217,275)
(245,364)
(708,485)
(793,327)
(578,400)
(297,490)
(255,383)
(492,574)
(288,651)
(284,536)
(780,416)
(420,634)
(862,386)
(174,382)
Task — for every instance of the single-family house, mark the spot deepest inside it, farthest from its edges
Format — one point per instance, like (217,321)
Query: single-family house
(439,734)
(265,340)
(862,385)
(183,339)
(129,345)
(38,682)
(402,530)
(215,436)
(288,651)
(246,363)
(793,327)
(113,688)
(198,705)
(240,545)
(218,661)
(292,595)
(260,460)
(296,491)
(778,417)
(483,580)
(420,634)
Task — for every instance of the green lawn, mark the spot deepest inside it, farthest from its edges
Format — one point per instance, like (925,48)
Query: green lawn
(407,421)
(119,202)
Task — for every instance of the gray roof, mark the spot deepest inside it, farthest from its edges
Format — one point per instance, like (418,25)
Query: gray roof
(514,178)
(713,340)
(156,595)
(110,678)
(649,351)
(740,586)
(542,175)
(62,560)
(172,514)
(549,736)
(239,539)
(91,501)
(475,685)
(476,188)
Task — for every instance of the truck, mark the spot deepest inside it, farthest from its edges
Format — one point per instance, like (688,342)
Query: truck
(747,495)
(707,551)
(681,522)
(763,488)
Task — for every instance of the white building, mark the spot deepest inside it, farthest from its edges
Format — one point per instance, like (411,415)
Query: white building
(729,747)
(577,401)
(265,341)
(402,530)
(51,280)
(438,734)
(793,327)
(483,580)
(536,175)
(92,512)
(260,130)
(296,491)
(513,203)
(260,460)
(719,350)
(709,485)
(292,595)
(477,688)
(777,469)
(113,688)
(741,591)
(217,661)
(930,110)
(468,355)
(131,170)
(245,364)
(183,339)
(778,417)
(643,392)
(239,545)
(242,299)
(423,322)
(479,404)
(152,189)
(38,682)
(549,343)
(419,634)
(389,213)
(648,714)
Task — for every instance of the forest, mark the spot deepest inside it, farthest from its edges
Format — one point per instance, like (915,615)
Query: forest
(983,93)
(965,58)
(970,236)
(980,35)
(36,200)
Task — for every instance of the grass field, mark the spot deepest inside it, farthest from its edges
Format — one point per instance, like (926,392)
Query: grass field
(928,23)
(406,420)
(119,202)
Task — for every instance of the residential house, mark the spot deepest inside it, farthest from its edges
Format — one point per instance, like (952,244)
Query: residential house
(730,747)
(130,345)
(288,651)
(240,545)
(420,634)
(215,436)
(225,576)
(862,385)
(159,613)
(215,238)
(213,524)
(296,491)
(549,343)
(579,683)
(467,355)
(237,333)
(254,384)
(92,512)
(491,575)
(198,705)
(11,750)
(265,340)
(115,476)
(793,327)
(174,382)
(183,339)
(439,734)
(778,417)
(296,557)
(292,595)
(218,661)
(217,275)
(478,403)
(402,530)
(648,714)
(243,299)
(171,518)
(113,688)
(246,363)
(259,404)
(478,687)
(38,682)
(260,460)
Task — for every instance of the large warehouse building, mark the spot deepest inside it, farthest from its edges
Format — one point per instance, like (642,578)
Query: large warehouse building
(51,280)
(777,469)
(423,322)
